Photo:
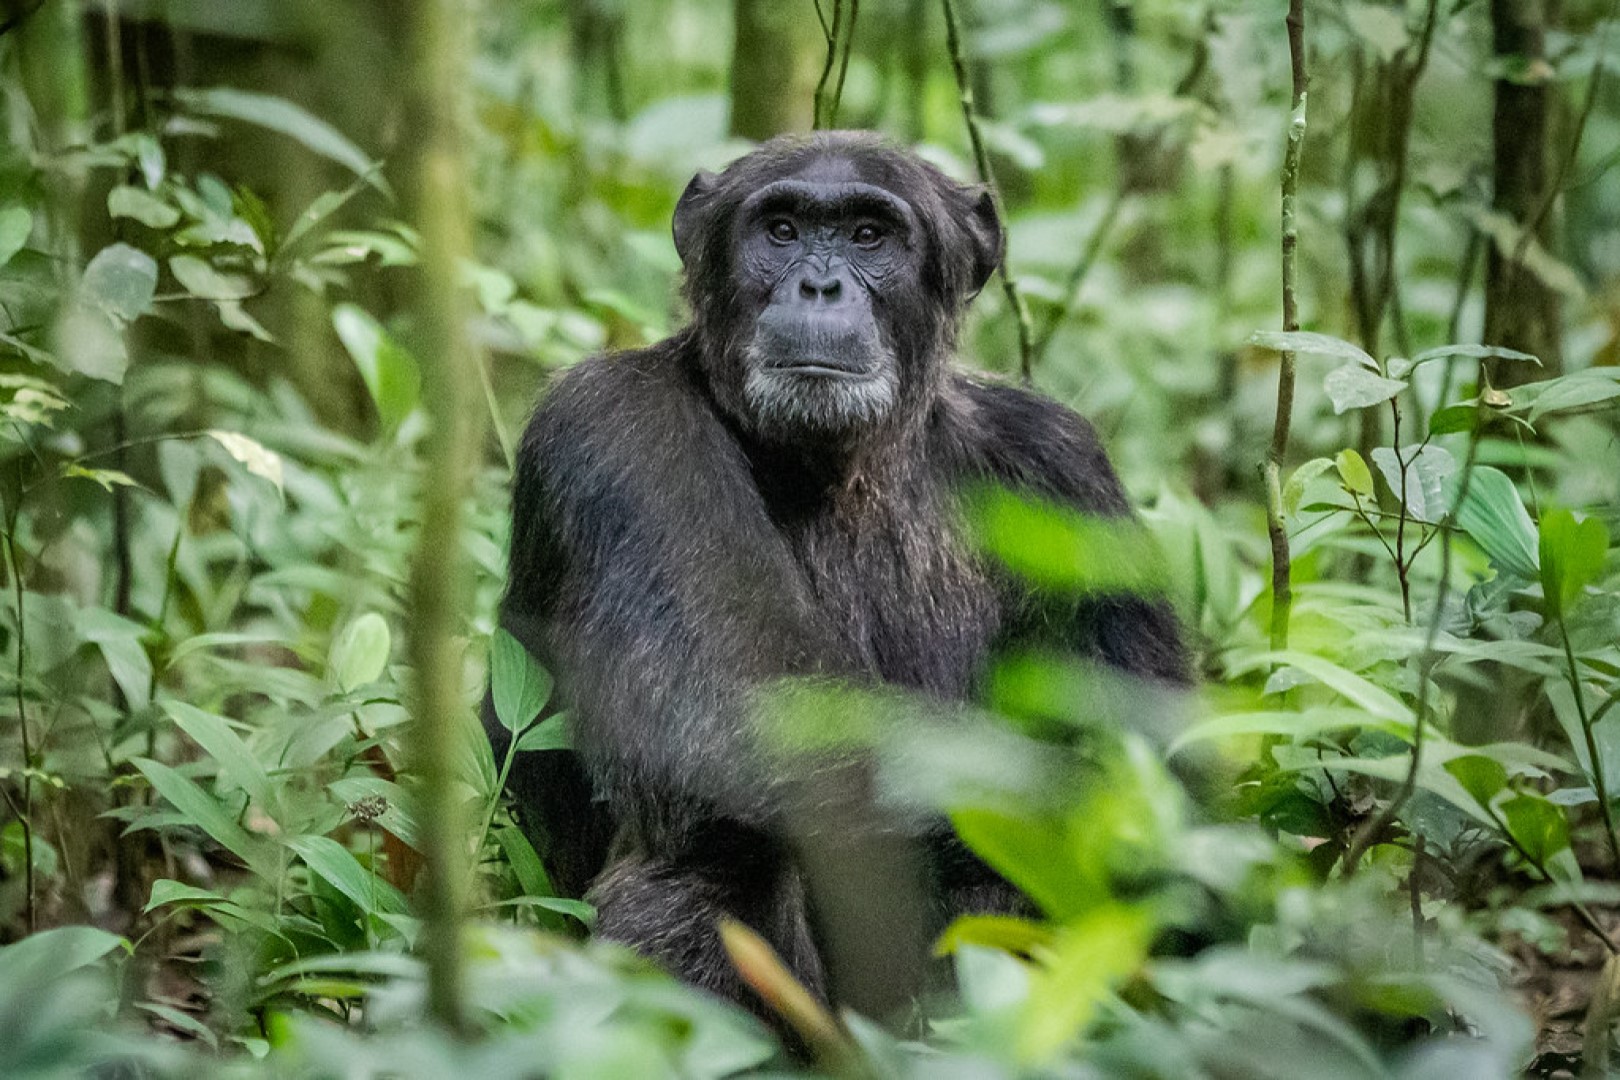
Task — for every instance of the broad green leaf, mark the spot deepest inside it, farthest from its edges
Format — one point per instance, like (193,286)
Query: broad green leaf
(1294,490)
(281,115)
(384,802)
(1301,341)
(1481,776)
(389,372)
(121,281)
(119,640)
(168,891)
(519,685)
(1058,548)
(1474,352)
(977,933)
(550,734)
(208,814)
(88,341)
(142,205)
(58,951)
(1572,555)
(525,864)
(343,871)
(1079,970)
(16,223)
(1494,518)
(1539,826)
(236,761)
(1354,387)
(1033,855)
(1463,416)
(360,652)
(1427,468)
(254,456)
(1354,472)
(199,278)
(1577,390)
(1353,687)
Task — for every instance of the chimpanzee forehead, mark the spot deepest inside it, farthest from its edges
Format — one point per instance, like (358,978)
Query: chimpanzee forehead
(829,198)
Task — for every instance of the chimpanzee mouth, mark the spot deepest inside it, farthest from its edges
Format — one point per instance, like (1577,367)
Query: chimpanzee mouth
(822,370)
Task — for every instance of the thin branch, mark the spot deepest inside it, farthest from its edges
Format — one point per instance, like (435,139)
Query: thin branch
(1077,276)
(438,590)
(827,67)
(981,159)
(1282,596)
(843,65)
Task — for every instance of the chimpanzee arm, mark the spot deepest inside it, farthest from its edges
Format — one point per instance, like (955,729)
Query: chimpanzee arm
(1037,447)
(645,572)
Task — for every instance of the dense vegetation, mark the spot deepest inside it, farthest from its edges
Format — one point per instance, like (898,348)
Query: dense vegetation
(243,427)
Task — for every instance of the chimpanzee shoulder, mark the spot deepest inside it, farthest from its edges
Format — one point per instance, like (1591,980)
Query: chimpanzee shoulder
(1012,436)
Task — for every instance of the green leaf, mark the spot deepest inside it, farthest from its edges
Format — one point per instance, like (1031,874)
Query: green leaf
(1577,390)
(1474,352)
(343,871)
(1425,473)
(1572,555)
(121,281)
(58,951)
(236,761)
(254,456)
(395,816)
(1539,826)
(141,205)
(1354,387)
(1294,490)
(206,812)
(389,372)
(280,115)
(199,278)
(550,734)
(526,865)
(1494,518)
(1354,472)
(1481,776)
(519,685)
(1454,418)
(1300,341)
(360,652)
(119,640)
(16,223)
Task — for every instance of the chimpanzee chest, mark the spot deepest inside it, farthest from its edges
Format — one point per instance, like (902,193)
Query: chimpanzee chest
(912,605)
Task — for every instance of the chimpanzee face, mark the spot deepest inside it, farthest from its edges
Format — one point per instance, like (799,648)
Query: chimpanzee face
(826,277)
(821,260)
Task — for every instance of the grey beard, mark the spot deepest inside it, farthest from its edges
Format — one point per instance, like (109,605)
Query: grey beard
(789,400)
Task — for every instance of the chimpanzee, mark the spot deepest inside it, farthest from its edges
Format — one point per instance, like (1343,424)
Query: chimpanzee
(773,493)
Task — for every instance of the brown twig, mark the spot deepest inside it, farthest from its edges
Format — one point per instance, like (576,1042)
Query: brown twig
(981,159)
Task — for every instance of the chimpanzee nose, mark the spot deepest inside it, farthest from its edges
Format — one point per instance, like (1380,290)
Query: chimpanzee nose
(824,287)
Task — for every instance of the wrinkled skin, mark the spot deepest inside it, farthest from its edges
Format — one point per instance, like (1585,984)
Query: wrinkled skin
(770,494)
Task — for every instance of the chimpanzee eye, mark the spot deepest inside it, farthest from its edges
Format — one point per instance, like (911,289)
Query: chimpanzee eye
(868,236)
(782,231)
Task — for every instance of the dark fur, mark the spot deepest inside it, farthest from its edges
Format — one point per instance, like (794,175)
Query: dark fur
(668,557)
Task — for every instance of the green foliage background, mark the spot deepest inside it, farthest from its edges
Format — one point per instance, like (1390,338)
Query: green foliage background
(1384,847)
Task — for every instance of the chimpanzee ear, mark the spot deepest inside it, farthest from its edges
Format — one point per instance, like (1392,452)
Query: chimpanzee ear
(690,212)
(985,238)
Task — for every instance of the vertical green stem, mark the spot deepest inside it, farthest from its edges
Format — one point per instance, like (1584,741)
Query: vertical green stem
(981,159)
(1282,595)
(438,590)
(1600,785)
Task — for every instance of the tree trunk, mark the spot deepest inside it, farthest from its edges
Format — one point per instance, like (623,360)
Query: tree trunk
(1521,310)
(774,67)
